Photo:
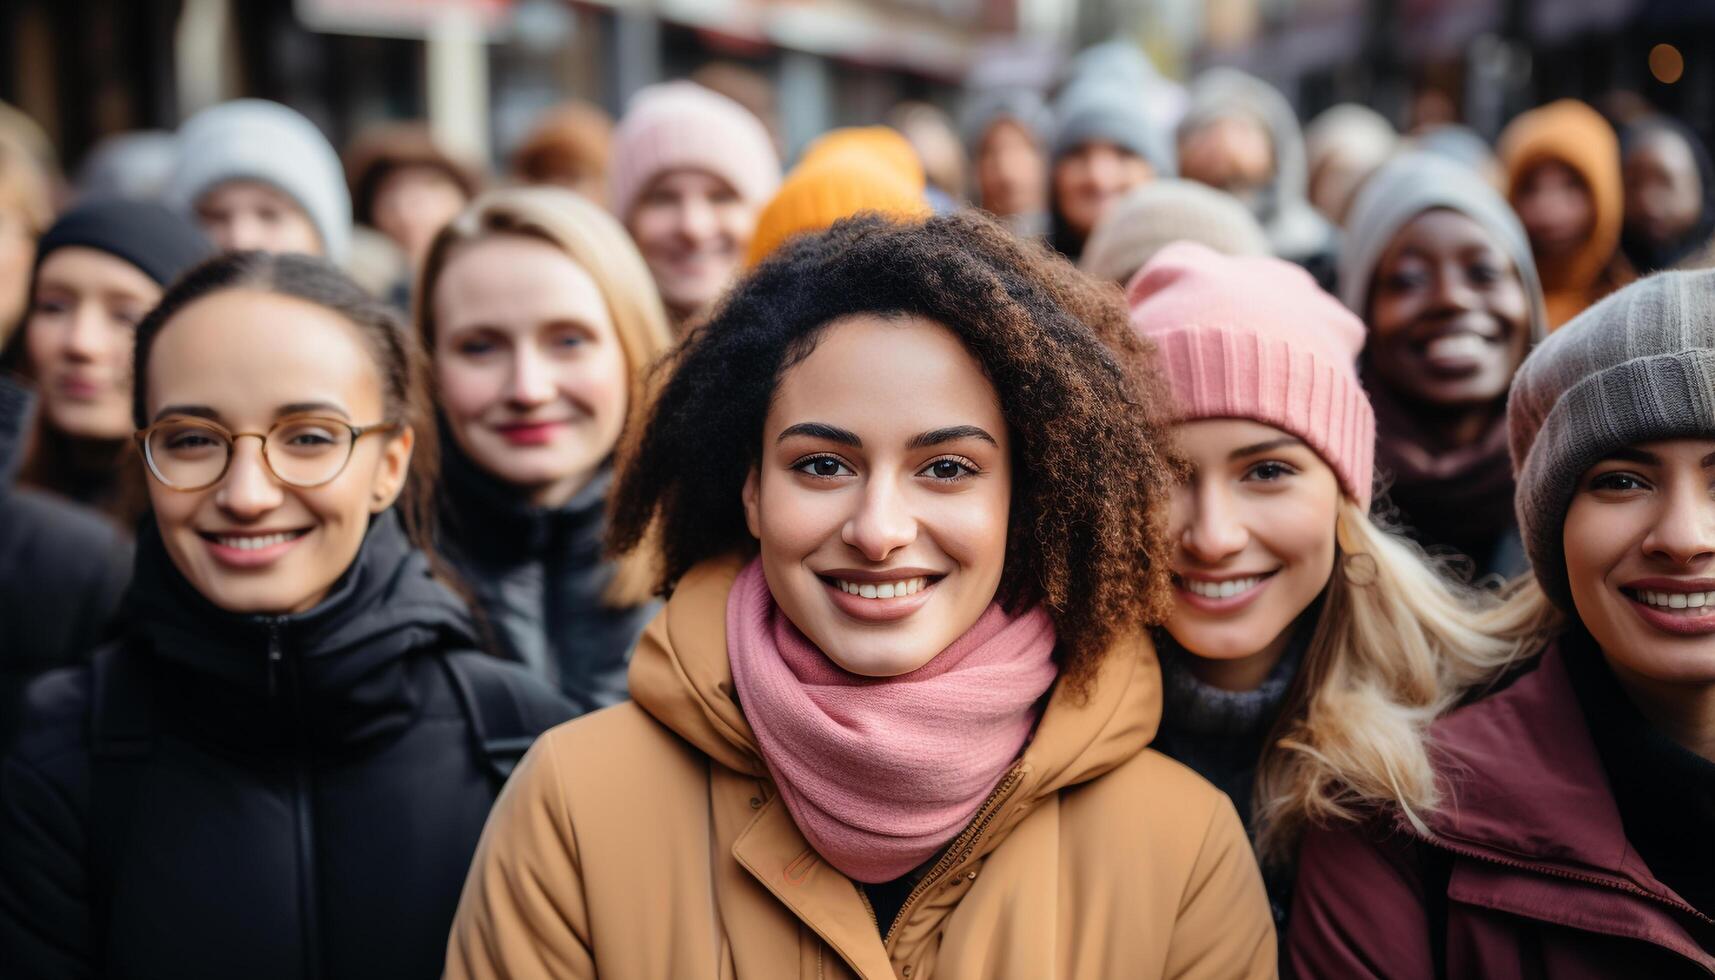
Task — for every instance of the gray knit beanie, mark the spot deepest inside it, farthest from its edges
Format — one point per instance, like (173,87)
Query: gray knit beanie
(986,107)
(1092,109)
(252,139)
(1638,366)
(1160,212)
(1407,186)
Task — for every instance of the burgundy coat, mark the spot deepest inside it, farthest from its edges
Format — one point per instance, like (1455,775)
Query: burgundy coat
(1526,871)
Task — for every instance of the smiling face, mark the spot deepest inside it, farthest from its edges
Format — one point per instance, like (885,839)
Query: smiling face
(883,532)
(1640,558)
(245,215)
(532,379)
(247,359)
(1253,534)
(79,335)
(1449,317)
(693,230)
(1089,179)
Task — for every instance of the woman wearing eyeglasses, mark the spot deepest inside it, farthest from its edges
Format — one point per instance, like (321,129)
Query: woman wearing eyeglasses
(282,767)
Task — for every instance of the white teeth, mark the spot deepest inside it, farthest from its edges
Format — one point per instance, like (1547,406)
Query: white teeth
(883,590)
(1676,600)
(1222,590)
(255,543)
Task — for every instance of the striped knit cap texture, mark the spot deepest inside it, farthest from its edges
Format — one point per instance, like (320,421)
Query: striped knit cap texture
(1256,338)
(1637,367)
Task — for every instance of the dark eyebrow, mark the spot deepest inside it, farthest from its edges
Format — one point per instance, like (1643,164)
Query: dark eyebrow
(310,408)
(1263,447)
(952,433)
(194,411)
(1709,461)
(1639,456)
(821,430)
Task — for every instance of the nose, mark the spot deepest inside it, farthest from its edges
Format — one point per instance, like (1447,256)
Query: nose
(1684,531)
(696,221)
(241,232)
(532,384)
(1213,530)
(249,490)
(882,523)
(87,336)
(1453,290)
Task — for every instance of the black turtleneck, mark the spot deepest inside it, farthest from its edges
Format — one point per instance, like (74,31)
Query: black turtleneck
(541,579)
(1665,792)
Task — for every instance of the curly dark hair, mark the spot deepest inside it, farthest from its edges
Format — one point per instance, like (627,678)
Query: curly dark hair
(1092,458)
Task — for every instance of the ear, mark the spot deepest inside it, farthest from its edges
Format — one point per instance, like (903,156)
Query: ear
(394,466)
(752,495)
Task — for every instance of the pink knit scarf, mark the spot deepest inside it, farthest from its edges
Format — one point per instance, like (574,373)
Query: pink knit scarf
(880,773)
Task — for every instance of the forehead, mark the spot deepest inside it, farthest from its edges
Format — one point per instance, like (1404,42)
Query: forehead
(91,268)
(503,278)
(244,353)
(890,377)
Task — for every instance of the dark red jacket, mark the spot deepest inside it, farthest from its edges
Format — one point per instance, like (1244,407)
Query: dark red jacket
(1526,871)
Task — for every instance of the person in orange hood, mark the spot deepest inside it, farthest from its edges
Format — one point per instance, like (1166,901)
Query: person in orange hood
(1562,163)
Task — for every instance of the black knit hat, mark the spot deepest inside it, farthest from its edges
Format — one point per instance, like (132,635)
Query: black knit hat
(160,242)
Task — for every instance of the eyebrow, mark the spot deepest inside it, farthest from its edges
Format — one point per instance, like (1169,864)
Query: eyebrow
(821,430)
(1263,447)
(952,433)
(295,408)
(1639,456)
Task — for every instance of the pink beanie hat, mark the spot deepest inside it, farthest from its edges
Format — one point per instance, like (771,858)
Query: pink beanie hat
(1256,338)
(679,126)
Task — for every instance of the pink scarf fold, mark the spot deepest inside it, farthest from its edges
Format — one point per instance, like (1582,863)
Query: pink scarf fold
(880,773)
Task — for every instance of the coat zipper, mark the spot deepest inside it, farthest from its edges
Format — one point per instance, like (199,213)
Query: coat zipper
(1624,887)
(961,844)
(301,789)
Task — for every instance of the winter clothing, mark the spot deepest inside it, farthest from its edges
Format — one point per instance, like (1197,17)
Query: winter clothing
(1165,211)
(1647,256)
(1122,63)
(1354,138)
(381,150)
(301,794)
(1638,366)
(683,126)
(1256,338)
(987,108)
(62,569)
(1572,133)
(571,143)
(816,195)
(251,139)
(880,146)
(1092,109)
(1462,498)
(880,776)
(1298,233)
(1409,185)
(1462,145)
(1222,734)
(134,165)
(541,580)
(1529,870)
(647,840)
(162,244)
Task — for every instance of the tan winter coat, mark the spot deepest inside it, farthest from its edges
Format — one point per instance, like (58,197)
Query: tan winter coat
(647,841)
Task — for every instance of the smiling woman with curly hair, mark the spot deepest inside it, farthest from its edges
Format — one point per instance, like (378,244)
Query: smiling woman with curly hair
(910,483)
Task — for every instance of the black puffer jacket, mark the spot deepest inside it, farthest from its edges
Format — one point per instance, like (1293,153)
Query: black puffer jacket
(240,796)
(540,578)
(63,568)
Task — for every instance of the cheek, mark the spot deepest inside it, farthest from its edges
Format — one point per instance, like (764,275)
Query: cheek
(466,390)
(600,382)
(794,521)
(652,229)
(737,222)
(1594,539)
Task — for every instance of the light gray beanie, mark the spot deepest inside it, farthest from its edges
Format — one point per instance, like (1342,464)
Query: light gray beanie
(252,139)
(1161,212)
(1407,186)
(1638,366)
(1091,109)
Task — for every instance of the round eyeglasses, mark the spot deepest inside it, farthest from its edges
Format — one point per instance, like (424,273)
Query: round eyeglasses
(301,451)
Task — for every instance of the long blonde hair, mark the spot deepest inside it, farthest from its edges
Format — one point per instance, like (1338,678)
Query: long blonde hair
(597,242)
(1397,644)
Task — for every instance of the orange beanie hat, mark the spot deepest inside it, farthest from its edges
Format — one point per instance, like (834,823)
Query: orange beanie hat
(878,144)
(818,193)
